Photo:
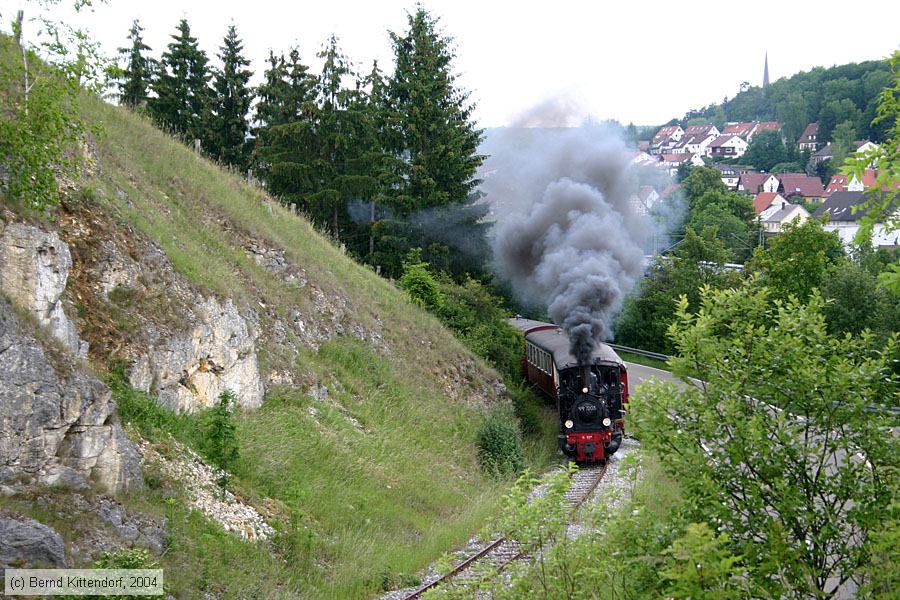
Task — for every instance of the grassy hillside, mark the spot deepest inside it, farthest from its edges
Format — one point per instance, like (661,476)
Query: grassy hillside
(365,486)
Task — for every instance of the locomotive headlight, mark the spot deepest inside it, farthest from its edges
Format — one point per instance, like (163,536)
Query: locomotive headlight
(606,422)
(569,424)
(584,390)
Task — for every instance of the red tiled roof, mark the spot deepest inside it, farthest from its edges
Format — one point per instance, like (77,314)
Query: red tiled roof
(698,129)
(807,136)
(774,125)
(677,158)
(737,129)
(752,182)
(722,140)
(763,200)
(802,184)
(838,183)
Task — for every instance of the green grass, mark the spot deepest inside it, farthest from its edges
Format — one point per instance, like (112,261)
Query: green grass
(365,488)
(643,360)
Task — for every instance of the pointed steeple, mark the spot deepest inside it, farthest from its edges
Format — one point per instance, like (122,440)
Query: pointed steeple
(766,73)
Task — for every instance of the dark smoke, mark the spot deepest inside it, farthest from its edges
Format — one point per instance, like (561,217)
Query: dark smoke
(565,233)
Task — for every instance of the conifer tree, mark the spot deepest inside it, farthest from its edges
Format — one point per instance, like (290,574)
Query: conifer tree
(182,87)
(138,71)
(286,96)
(432,118)
(229,125)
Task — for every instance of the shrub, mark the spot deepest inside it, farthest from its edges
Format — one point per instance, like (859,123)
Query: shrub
(499,447)
(420,284)
(220,444)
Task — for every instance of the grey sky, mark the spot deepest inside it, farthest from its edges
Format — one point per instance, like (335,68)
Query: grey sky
(636,61)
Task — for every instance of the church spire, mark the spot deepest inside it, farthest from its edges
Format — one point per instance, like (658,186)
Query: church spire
(766,73)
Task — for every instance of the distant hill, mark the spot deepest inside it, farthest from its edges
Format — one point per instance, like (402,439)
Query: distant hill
(827,95)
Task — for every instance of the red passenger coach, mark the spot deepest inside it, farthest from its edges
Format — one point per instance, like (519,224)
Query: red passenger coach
(589,399)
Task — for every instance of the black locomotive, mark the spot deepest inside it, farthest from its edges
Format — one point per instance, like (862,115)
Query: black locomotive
(590,399)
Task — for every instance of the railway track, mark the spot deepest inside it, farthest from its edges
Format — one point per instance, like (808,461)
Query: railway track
(503,551)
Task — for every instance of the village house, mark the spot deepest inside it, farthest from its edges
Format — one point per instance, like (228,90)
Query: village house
(644,200)
(671,162)
(765,203)
(793,185)
(783,214)
(842,218)
(727,146)
(702,130)
(665,139)
(729,175)
(808,139)
(754,183)
(838,183)
(857,147)
(738,129)
(763,126)
(694,143)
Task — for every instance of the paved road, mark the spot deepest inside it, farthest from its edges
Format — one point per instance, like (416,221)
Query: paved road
(637,374)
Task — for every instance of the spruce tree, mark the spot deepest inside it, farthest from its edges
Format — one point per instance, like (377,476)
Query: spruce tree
(432,118)
(286,96)
(182,87)
(138,70)
(229,125)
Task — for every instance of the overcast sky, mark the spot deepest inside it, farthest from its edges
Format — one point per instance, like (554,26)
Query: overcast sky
(636,61)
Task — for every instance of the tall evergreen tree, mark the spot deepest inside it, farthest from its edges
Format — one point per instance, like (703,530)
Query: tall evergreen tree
(286,96)
(229,125)
(433,118)
(182,87)
(138,70)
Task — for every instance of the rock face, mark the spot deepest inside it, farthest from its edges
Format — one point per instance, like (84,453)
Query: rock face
(56,423)
(34,268)
(188,371)
(27,543)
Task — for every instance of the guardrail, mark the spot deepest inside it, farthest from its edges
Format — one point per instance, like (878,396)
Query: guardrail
(665,357)
(639,352)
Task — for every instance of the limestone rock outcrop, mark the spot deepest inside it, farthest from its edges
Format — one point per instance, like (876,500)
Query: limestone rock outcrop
(189,370)
(27,543)
(57,423)
(34,268)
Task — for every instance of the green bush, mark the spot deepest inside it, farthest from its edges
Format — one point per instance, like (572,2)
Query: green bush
(499,446)
(220,443)
(420,284)
(123,558)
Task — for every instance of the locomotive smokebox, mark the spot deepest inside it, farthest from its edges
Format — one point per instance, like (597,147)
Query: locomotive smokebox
(586,377)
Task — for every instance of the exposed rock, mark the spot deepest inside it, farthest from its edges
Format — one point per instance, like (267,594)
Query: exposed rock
(188,371)
(133,527)
(34,268)
(27,543)
(56,422)
(200,484)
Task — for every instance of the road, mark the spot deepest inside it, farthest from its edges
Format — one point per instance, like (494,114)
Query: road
(637,374)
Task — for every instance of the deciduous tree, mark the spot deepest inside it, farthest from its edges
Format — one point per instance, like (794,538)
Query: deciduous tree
(776,447)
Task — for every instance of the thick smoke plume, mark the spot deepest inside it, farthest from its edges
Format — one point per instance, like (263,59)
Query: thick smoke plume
(565,233)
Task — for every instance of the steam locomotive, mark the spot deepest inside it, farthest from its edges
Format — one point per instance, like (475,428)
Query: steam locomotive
(590,399)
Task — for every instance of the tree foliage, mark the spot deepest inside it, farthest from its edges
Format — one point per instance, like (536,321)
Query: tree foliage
(431,119)
(766,150)
(229,126)
(41,75)
(135,77)
(798,260)
(777,447)
(183,96)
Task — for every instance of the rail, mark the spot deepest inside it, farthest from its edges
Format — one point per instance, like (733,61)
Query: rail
(584,483)
(639,352)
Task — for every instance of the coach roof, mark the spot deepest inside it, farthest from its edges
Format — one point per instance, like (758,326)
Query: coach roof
(551,338)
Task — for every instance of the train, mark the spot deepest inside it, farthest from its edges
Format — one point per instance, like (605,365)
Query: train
(590,399)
